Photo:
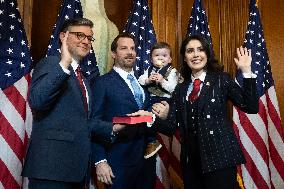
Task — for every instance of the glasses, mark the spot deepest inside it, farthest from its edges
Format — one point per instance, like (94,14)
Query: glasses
(81,36)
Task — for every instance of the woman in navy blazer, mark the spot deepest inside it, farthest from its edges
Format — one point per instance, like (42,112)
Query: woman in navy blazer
(210,150)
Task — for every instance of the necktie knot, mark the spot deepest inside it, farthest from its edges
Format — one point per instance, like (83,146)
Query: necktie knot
(130,77)
(137,91)
(197,83)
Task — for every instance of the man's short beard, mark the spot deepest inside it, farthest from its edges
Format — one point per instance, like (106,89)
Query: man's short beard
(75,56)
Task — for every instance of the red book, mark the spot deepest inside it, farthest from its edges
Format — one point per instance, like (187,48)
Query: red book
(132,119)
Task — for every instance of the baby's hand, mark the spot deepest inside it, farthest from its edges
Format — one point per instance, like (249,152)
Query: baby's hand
(152,78)
(158,77)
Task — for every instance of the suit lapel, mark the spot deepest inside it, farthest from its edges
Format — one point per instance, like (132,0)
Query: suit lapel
(183,94)
(205,93)
(86,82)
(123,85)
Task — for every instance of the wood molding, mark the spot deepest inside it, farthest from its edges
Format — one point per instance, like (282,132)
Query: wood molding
(233,20)
(25,9)
(165,16)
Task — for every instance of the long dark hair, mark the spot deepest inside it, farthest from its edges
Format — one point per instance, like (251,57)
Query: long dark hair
(212,64)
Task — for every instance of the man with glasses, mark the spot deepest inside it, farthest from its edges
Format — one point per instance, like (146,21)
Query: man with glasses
(60,146)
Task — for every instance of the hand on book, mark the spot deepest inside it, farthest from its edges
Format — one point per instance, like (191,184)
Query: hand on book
(140,113)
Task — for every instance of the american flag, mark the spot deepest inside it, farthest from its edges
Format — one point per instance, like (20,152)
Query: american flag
(15,113)
(139,24)
(198,24)
(72,9)
(261,135)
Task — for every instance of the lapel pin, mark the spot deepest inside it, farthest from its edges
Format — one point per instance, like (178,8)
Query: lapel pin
(208,83)
(212,100)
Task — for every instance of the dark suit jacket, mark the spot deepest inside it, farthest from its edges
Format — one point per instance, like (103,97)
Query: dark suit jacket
(112,97)
(60,143)
(218,145)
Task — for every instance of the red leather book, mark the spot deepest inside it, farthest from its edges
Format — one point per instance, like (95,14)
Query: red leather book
(132,119)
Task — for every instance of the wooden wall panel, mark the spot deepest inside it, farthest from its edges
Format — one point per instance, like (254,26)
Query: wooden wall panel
(118,11)
(164,15)
(25,9)
(44,18)
(232,22)
(212,9)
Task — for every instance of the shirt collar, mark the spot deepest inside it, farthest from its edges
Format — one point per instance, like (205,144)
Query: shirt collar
(122,72)
(74,64)
(201,77)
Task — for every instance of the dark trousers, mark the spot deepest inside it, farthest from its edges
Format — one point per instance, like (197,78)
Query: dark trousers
(50,184)
(193,177)
(141,176)
(148,175)
(222,179)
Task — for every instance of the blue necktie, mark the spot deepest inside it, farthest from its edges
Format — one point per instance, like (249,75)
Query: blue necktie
(137,91)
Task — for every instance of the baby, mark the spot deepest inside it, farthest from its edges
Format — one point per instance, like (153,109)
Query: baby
(160,80)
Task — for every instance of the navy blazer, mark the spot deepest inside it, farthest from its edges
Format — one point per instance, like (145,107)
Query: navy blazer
(218,145)
(60,143)
(113,97)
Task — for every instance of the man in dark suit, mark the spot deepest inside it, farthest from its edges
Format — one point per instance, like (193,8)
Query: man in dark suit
(117,93)
(59,151)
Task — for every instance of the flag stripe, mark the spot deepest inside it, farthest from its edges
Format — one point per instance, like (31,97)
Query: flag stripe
(16,100)
(262,112)
(254,134)
(247,179)
(159,184)
(22,85)
(274,162)
(7,180)
(260,169)
(163,152)
(10,160)
(162,175)
(273,99)
(275,177)
(257,172)
(12,115)
(175,164)
(274,116)
(11,137)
